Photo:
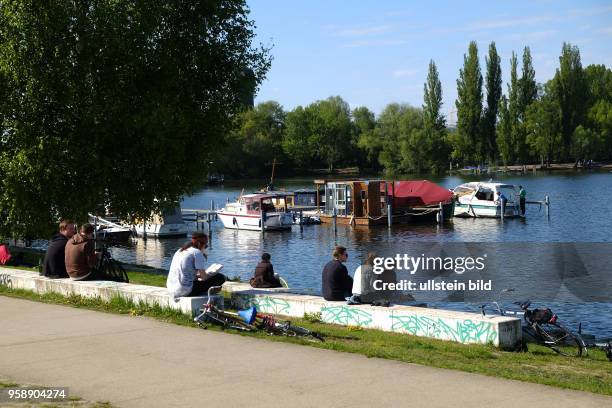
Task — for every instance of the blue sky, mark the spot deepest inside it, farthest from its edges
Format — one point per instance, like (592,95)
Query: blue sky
(372,53)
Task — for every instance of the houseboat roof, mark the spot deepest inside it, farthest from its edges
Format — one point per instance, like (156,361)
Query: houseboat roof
(489,184)
(270,194)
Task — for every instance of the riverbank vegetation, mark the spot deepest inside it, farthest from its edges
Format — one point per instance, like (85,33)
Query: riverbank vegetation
(566,119)
(116,106)
(539,365)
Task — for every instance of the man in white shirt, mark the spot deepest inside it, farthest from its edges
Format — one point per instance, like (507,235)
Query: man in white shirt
(187,275)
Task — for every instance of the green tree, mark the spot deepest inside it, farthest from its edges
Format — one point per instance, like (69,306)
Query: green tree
(296,141)
(571,91)
(115,105)
(504,132)
(365,125)
(331,130)
(543,125)
(434,122)
(255,141)
(494,91)
(469,107)
(528,88)
(516,143)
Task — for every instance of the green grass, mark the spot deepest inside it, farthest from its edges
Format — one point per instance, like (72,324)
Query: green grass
(143,278)
(539,365)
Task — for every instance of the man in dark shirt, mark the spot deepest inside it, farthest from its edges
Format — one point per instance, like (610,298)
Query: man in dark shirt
(264,274)
(336,282)
(54,265)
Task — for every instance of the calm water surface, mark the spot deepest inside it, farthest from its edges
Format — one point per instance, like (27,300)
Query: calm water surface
(579,212)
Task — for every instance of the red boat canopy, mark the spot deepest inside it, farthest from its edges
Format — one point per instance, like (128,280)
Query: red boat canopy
(417,193)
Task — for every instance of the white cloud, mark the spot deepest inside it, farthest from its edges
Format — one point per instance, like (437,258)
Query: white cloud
(533,36)
(371,43)
(401,73)
(363,31)
(605,31)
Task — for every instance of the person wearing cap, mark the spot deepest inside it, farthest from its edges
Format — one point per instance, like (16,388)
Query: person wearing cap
(187,275)
(335,280)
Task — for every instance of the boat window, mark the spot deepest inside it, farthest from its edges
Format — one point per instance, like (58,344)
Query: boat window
(485,194)
(267,205)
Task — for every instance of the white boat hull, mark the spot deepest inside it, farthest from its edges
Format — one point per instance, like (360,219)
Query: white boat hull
(483,210)
(162,230)
(274,221)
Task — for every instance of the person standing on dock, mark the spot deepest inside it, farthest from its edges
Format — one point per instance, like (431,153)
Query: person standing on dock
(522,199)
(336,282)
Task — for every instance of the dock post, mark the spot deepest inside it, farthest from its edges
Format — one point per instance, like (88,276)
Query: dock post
(389,216)
(503,209)
(301,220)
(144,229)
(547,202)
(262,222)
(441,214)
(208,221)
(334,220)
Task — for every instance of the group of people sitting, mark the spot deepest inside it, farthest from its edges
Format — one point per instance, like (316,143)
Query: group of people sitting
(72,254)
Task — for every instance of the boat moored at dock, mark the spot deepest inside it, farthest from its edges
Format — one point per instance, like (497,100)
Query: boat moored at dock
(250,211)
(483,199)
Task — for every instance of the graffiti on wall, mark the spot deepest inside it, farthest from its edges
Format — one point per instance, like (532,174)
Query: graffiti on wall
(345,315)
(464,331)
(267,304)
(6,280)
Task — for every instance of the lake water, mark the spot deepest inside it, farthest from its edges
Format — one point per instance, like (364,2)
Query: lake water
(579,213)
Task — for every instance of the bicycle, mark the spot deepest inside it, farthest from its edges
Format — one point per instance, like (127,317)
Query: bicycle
(110,269)
(285,328)
(211,314)
(542,326)
(605,346)
(246,320)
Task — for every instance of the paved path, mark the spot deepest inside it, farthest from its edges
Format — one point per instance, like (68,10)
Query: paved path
(140,362)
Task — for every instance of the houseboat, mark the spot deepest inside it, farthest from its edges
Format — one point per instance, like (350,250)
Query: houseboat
(482,199)
(251,209)
(368,202)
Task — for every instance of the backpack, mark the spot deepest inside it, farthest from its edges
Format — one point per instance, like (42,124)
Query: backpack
(542,316)
(5,254)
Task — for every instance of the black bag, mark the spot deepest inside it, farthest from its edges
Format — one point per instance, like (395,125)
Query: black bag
(542,316)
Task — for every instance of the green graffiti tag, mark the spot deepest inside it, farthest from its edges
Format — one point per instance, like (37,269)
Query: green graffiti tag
(466,331)
(346,315)
(269,304)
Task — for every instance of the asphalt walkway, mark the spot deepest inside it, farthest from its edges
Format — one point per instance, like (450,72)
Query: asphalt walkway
(140,362)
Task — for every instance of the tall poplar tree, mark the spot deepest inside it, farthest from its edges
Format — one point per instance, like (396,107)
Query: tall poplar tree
(517,149)
(494,92)
(434,122)
(469,106)
(571,90)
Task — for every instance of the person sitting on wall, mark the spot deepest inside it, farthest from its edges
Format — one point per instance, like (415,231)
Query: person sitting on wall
(187,275)
(54,264)
(264,274)
(80,255)
(335,280)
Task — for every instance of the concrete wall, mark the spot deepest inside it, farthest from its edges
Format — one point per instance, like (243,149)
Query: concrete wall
(449,325)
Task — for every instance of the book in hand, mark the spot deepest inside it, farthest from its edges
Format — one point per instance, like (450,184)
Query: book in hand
(214,268)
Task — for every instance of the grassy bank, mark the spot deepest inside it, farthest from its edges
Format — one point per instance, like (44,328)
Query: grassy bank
(539,365)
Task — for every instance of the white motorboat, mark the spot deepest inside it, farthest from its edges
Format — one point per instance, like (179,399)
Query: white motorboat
(167,224)
(482,199)
(108,230)
(248,212)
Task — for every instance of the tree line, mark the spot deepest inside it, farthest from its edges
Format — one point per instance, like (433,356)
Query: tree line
(568,118)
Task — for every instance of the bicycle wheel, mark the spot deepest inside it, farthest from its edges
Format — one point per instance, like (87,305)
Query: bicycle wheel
(561,340)
(299,331)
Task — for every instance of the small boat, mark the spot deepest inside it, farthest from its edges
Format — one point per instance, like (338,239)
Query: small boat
(481,199)
(107,230)
(248,212)
(167,224)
